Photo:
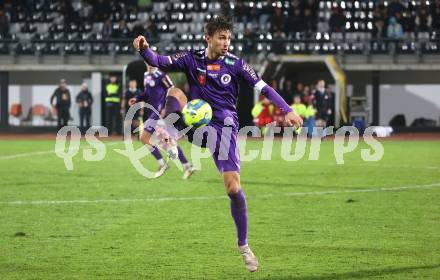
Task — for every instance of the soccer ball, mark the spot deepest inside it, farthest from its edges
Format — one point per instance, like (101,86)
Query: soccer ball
(197,113)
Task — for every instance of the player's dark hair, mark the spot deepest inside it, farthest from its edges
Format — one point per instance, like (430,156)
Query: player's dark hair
(219,23)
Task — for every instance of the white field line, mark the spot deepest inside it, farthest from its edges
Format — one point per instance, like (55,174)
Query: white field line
(298,162)
(195,198)
(45,152)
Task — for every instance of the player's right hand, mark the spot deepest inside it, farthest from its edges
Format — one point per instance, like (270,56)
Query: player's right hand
(140,43)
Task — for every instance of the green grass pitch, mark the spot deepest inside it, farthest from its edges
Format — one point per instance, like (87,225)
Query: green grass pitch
(306,219)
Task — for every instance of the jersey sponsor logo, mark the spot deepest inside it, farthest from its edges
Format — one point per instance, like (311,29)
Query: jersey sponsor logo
(250,71)
(229,61)
(152,83)
(213,67)
(225,79)
(214,75)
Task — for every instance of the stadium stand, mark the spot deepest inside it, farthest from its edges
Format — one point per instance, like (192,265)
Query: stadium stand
(321,27)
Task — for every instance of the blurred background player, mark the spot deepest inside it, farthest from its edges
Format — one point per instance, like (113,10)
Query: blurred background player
(60,101)
(112,105)
(84,100)
(130,93)
(213,75)
(156,85)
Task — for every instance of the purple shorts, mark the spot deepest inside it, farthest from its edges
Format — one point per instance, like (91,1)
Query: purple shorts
(150,123)
(224,149)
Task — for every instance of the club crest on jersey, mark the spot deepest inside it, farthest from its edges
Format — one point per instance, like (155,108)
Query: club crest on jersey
(202,79)
(225,79)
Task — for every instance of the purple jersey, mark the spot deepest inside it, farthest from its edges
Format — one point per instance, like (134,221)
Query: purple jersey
(215,81)
(156,86)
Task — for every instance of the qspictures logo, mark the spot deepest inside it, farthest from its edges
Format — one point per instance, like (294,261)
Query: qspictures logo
(292,147)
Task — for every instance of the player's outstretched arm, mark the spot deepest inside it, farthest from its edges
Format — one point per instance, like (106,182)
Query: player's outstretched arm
(292,118)
(251,77)
(141,45)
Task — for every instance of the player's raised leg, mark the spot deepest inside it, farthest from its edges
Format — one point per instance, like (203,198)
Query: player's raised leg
(239,213)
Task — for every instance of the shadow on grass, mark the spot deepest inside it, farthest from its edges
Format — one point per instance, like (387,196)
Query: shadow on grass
(357,274)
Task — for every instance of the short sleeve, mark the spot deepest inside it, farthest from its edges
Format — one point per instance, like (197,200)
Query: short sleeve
(248,73)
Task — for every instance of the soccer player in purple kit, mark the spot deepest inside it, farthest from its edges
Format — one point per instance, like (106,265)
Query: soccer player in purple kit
(213,75)
(156,85)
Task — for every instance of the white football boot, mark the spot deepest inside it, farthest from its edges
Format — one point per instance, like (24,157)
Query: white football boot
(167,143)
(188,171)
(250,260)
(161,171)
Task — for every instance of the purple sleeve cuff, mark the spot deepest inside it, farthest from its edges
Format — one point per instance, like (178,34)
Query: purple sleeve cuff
(276,99)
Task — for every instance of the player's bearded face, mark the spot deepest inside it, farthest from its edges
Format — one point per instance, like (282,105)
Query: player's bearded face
(219,42)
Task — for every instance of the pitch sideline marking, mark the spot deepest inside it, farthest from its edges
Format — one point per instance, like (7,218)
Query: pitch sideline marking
(46,152)
(171,198)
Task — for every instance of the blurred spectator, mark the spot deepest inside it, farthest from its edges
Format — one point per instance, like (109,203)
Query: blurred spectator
(265,14)
(436,19)
(394,30)
(408,21)
(4,23)
(130,94)
(337,20)
(107,29)
(262,112)
(241,12)
(378,31)
(66,9)
(299,90)
(307,92)
(60,101)
(323,104)
(299,107)
(86,11)
(249,37)
(295,22)
(112,105)
(309,120)
(278,21)
(395,7)
(380,6)
(85,101)
(309,20)
(101,10)
(287,92)
(122,31)
(423,21)
(151,32)
(313,6)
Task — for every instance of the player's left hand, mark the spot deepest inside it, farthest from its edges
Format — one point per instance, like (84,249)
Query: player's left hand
(292,119)
(131,101)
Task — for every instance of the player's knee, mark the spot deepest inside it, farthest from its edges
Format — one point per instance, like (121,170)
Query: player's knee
(145,138)
(178,94)
(232,182)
